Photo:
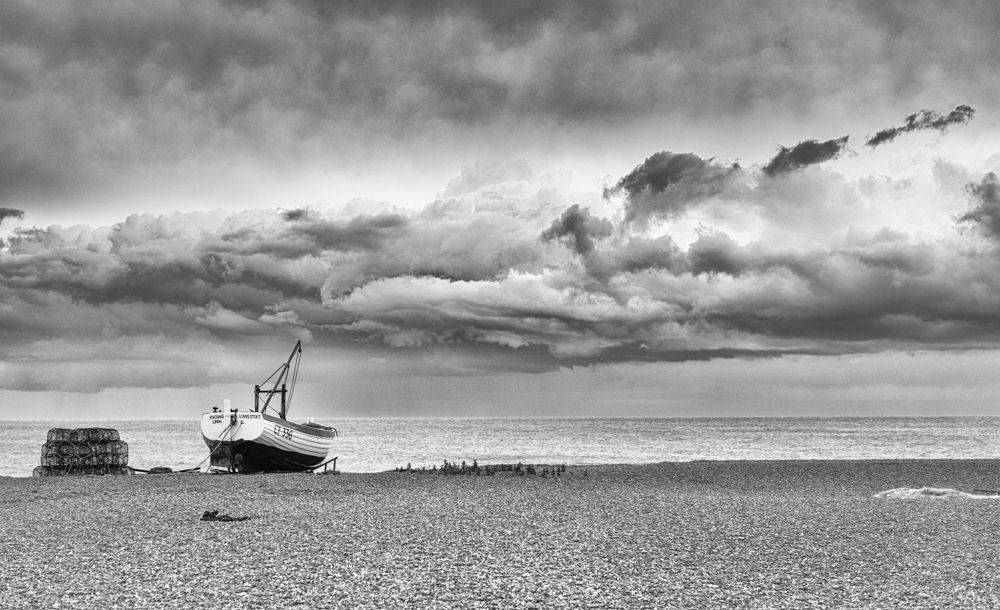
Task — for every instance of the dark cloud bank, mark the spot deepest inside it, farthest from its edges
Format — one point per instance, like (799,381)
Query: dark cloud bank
(530,284)
(511,280)
(93,93)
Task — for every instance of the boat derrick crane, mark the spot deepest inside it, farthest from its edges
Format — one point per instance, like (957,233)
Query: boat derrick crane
(284,384)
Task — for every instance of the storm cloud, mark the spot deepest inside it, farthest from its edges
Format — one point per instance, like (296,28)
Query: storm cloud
(925,119)
(666,184)
(986,213)
(271,170)
(113,102)
(718,253)
(468,273)
(580,228)
(6,213)
(804,153)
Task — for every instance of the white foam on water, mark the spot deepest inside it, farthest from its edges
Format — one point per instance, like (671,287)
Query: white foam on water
(910,493)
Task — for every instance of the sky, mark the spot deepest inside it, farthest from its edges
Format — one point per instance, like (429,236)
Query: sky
(598,208)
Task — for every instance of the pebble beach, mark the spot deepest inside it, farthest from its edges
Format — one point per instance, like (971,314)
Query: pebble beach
(758,534)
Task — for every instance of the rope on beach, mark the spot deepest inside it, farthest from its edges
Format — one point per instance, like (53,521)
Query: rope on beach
(212,452)
(193,468)
(162,470)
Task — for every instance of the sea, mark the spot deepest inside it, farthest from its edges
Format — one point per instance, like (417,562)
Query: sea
(374,445)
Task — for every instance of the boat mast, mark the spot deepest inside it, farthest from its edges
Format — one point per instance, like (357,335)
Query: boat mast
(297,356)
(285,372)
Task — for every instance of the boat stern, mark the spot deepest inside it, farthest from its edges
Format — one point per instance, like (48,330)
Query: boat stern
(232,425)
(226,432)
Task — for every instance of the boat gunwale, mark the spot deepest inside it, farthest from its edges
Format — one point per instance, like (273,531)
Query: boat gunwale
(323,432)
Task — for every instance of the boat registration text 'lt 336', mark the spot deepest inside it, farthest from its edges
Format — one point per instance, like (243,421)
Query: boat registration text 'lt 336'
(282,432)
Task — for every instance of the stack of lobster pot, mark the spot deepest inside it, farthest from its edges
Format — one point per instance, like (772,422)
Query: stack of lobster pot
(83,451)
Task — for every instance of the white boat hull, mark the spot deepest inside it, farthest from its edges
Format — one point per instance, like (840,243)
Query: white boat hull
(251,441)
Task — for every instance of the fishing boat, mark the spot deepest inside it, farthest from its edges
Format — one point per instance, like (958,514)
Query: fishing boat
(264,440)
